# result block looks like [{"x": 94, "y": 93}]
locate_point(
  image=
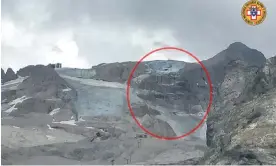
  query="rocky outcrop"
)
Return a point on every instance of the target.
[
  {"x": 241, "y": 126},
  {"x": 42, "y": 91},
  {"x": 10, "y": 75},
  {"x": 44, "y": 79},
  {"x": 117, "y": 72},
  {"x": 78, "y": 73}
]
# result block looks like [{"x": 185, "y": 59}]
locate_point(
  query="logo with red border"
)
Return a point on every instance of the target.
[{"x": 253, "y": 12}]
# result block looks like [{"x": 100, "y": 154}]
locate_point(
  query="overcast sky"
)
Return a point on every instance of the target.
[{"x": 82, "y": 33}]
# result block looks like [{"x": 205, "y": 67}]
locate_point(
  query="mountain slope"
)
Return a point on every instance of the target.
[
  {"x": 41, "y": 90},
  {"x": 189, "y": 86},
  {"x": 243, "y": 131}
]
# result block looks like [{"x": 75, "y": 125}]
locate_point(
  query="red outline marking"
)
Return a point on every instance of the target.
[{"x": 210, "y": 95}]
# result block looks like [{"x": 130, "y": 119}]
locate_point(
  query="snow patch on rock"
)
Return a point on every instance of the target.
[
  {"x": 14, "y": 102},
  {"x": 66, "y": 90},
  {"x": 19, "y": 100},
  {"x": 49, "y": 127},
  {"x": 68, "y": 122},
  {"x": 54, "y": 111}
]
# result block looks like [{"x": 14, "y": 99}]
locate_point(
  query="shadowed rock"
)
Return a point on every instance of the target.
[
  {"x": 2, "y": 75},
  {"x": 10, "y": 75}
]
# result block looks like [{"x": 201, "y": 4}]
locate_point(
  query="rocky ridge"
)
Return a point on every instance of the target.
[
  {"x": 40, "y": 93},
  {"x": 8, "y": 76}
]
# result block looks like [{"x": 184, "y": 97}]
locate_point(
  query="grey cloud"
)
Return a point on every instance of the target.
[{"x": 202, "y": 27}]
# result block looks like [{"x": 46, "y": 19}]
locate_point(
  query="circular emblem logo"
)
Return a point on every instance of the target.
[{"x": 253, "y": 12}]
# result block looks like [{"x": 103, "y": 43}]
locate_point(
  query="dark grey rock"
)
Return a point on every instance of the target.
[
  {"x": 2, "y": 75},
  {"x": 10, "y": 75},
  {"x": 44, "y": 89},
  {"x": 8, "y": 96},
  {"x": 44, "y": 82},
  {"x": 240, "y": 127},
  {"x": 117, "y": 72}
]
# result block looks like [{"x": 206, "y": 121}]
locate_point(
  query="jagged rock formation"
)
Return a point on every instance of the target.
[
  {"x": 42, "y": 91},
  {"x": 241, "y": 126},
  {"x": 10, "y": 75}
]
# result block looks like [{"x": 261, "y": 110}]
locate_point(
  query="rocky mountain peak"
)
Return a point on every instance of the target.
[
  {"x": 238, "y": 46},
  {"x": 272, "y": 60},
  {"x": 10, "y": 75},
  {"x": 239, "y": 51},
  {"x": 2, "y": 74},
  {"x": 10, "y": 71},
  {"x": 240, "y": 122}
]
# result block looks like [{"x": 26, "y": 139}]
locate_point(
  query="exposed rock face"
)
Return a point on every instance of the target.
[
  {"x": 2, "y": 75},
  {"x": 42, "y": 91},
  {"x": 43, "y": 79},
  {"x": 79, "y": 73},
  {"x": 241, "y": 126},
  {"x": 189, "y": 86},
  {"x": 10, "y": 75},
  {"x": 117, "y": 72}
]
